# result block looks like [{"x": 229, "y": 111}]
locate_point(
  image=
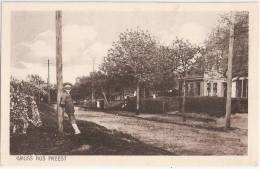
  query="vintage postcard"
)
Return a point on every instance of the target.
[{"x": 113, "y": 83}]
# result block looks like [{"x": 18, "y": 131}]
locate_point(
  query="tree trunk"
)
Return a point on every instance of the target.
[
  {"x": 229, "y": 73},
  {"x": 60, "y": 113},
  {"x": 48, "y": 83},
  {"x": 138, "y": 97},
  {"x": 184, "y": 99},
  {"x": 104, "y": 95},
  {"x": 144, "y": 92},
  {"x": 123, "y": 93},
  {"x": 92, "y": 95}
]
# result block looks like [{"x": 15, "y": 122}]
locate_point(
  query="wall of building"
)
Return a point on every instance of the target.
[{"x": 192, "y": 87}]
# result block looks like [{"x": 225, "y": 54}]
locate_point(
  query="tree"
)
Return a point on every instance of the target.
[
  {"x": 35, "y": 79},
  {"x": 82, "y": 88},
  {"x": 217, "y": 45},
  {"x": 229, "y": 40},
  {"x": 130, "y": 58},
  {"x": 186, "y": 55},
  {"x": 100, "y": 81},
  {"x": 163, "y": 69},
  {"x": 229, "y": 72}
]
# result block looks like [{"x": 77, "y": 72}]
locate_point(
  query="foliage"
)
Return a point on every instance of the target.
[
  {"x": 218, "y": 42},
  {"x": 153, "y": 106},
  {"x": 164, "y": 69},
  {"x": 96, "y": 80},
  {"x": 82, "y": 88},
  {"x": 23, "y": 107},
  {"x": 27, "y": 87},
  {"x": 186, "y": 55},
  {"x": 35, "y": 79},
  {"x": 130, "y": 57},
  {"x": 215, "y": 105},
  {"x": 99, "y": 79},
  {"x": 136, "y": 58}
]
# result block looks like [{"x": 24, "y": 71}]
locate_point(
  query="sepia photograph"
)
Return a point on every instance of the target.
[{"x": 119, "y": 79}]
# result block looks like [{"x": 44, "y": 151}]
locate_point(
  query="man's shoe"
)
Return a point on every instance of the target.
[{"x": 77, "y": 132}]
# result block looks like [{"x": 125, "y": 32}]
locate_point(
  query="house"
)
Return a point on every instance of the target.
[
  {"x": 240, "y": 87},
  {"x": 213, "y": 83}
]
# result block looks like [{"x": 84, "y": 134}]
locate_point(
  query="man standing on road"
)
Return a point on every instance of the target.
[{"x": 67, "y": 105}]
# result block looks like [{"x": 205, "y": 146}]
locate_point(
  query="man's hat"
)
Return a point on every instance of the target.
[{"x": 67, "y": 85}]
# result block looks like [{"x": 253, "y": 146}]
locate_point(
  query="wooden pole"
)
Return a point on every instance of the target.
[
  {"x": 48, "y": 83},
  {"x": 229, "y": 73},
  {"x": 92, "y": 85},
  {"x": 138, "y": 98},
  {"x": 184, "y": 98},
  {"x": 242, "y": 90},
  {"x": 59, "y": 69}
]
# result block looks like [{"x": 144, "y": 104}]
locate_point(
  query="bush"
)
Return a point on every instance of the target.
[
  {"x": 146, "y": 105},
  {"x": 130, "y": 104},
  {"x": 214, "y": 105},
  {"x": 114, "y": 105},
  {"x": 239, "y": 105},
  {"x": 23, "y": 107},
  {"x": 210, "y": 105},
  {"x": 153, "y": 106}
]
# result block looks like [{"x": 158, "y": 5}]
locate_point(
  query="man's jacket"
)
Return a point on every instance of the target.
[{"x": 67, "y": 103}]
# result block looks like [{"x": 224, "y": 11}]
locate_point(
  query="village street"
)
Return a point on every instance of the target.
[
  {"x": 131, "y": 80},
  {"x": 179, "y": 139}
]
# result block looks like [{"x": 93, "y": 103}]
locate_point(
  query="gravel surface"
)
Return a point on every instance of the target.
[
  {"x": 93, "y": 140},
  {"x": 178, "y": 138}
]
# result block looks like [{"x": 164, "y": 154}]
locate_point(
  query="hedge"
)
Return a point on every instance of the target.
[
  {"x": 146, "y": 105},
  {"x": 153, "y": 106},
  {"x": 23, "y": 107},
  {"x": 212, "y": 105}
]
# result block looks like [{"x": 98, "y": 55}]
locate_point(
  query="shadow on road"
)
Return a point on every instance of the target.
[{"x": 94, "y": 140}]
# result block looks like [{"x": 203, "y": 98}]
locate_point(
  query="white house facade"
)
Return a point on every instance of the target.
[{"x": 213, "y": 83}]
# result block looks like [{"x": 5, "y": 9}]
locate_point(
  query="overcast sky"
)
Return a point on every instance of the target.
[{"x": 88, "y": 35}]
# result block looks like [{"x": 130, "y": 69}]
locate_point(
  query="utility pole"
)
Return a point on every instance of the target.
[
  {"x": 60, "y": 113},
  {"x": 92, "y": 85},
  {"x": 229, "y": 72},
  {"x": 48, "y": 83},
  {"x": 93, "y": 64},
  {"x": 184, "y": 97}
]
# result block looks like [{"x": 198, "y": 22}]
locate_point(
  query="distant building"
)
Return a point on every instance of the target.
[
  {"x": 213, "y": 83},
  {"x": 240, "y": 87}
]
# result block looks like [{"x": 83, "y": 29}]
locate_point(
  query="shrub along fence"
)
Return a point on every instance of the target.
[
  {"x": 153, "y": 106},
  {"x": 215, "y": 105},
  {"x": 212, "y": 105}
]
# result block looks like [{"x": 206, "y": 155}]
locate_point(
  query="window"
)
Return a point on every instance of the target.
[
  {"x": 198, "y": 88},
  {"x": 239, "y": 88},
  {"x": 224, "y": 89},
  {"x": 245, "y": 87},
  {"x": 191, "y": 89},
  {"x": 215, "y": 89},
  {"x": 208, "y": 89}
]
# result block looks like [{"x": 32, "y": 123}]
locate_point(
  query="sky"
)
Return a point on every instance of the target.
[{"x": 86, "y": 37}]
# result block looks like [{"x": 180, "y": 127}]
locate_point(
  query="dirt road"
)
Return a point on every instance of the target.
[
  {"x": 94, "y": 140},
  {"x": 179, "y": 139}
]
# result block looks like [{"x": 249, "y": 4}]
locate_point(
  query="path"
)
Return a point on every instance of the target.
[{"x": 179, "y": 139}]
